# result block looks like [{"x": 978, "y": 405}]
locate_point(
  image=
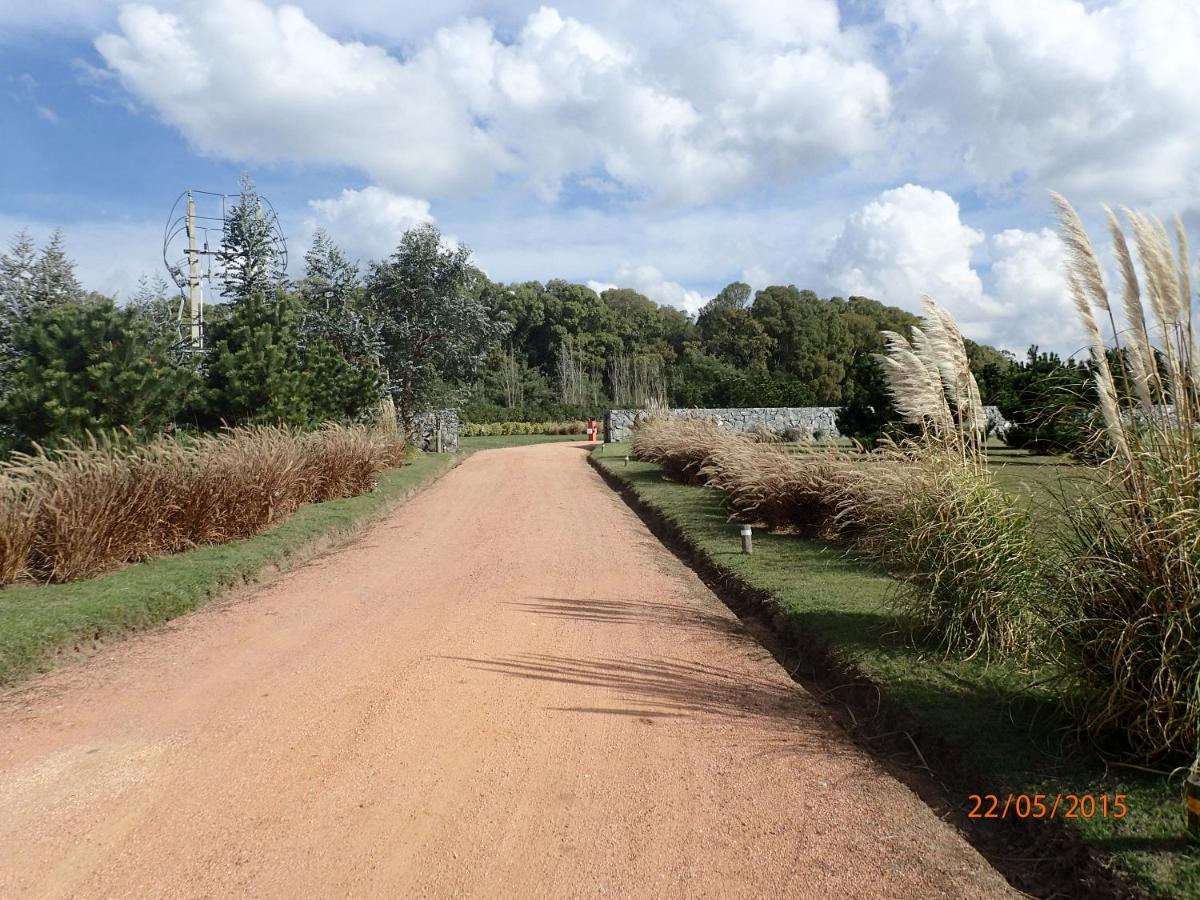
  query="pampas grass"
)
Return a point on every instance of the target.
[
  {"x": 88, "y": 508},
  {"x": 1130, "y": 574}
]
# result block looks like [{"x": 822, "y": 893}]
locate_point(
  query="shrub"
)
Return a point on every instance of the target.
[
  {"x": 492, "y": 429},
  {"x": 964, "y": 548},
  {"x": 800, "y": 491}
]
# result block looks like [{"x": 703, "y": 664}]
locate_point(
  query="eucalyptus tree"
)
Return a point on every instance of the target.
[{"x": 434, "y": 324}]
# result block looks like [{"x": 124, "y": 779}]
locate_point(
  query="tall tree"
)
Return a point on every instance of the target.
[
  {"x": 250, "y": 258},
  {"x": 90, "y": 366},
  {"x": 255, "y": 372},
  {"x": 54, "y": 281},
  {"x": 435, "y": 327},
  {"x": 334, "y": 304}
]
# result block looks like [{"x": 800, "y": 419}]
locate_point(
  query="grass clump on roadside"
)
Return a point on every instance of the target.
[
  {"x": 1130, "y": 573},
  {"x": 82, "y": 510}
]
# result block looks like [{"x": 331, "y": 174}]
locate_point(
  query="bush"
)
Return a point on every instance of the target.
[
  {"x": 89, "y": 366},
  {"x": 86, "y": 508},
  {"x": 492, "y": 429},
  {"x": 683, "y": 447}
]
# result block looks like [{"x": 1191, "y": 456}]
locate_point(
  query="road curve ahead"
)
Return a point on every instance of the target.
[{"x": 506, "y": 688}]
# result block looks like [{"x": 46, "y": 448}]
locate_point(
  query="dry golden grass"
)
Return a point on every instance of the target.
[
  {"x": 86, "y": 509},
  {"x": 681, "y": 446}
]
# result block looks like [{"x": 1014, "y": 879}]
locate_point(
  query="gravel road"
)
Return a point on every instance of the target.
[{"x": 506, "y": 688}]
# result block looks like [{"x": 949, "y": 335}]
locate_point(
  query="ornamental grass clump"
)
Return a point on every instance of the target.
[
  {"x": 681, "y": 446},
  {"x": 85, "y": 509},
  {"x": 1130, "y": 570},
  {"x": 784, "y": 490},
  {"x": 931, "y": 511}
]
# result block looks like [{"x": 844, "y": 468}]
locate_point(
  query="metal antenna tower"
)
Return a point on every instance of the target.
[{"x": 194, "y": 258}]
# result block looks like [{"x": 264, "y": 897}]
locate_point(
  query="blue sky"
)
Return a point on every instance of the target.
[{"x": 886, "y": 147}]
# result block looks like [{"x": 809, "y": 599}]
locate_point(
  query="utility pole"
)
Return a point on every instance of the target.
[{"x": 195, "y": 295}]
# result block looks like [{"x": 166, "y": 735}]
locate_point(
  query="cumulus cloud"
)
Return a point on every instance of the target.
[
  {"x": 1027, "y": 280},
  {"x": 1093, "y": 99},
  {"x": 907, "y": 242},
  {"x": 912, "y": 241},
  {"x": 243, "y": 80},
  {"x": 368, "y": 223}
]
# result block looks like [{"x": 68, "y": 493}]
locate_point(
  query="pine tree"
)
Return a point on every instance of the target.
[
  {"x": 16, "y": 293},
  {"x": 334, "y": 310},
  {"x": 54, "y": 281},
  {"x": 250, "y": 257},
  {"x": 89, "y": 366},
  {"x": 255, "y": 371}
]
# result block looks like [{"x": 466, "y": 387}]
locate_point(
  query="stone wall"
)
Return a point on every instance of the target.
[
  {"x": 426, "y": 426},
  {"x": 793, "y": 423},
  {"x": 802, "y": 421}
]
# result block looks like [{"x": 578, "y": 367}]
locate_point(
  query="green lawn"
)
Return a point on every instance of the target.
[
  {"x": 983, "y": 727},
  {"x": 514, "y": 440},
  {"x": 43, "y": 625}
]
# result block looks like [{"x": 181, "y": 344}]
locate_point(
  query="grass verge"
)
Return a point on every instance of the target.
[
  {"x": 959, "y": 727},
  {"x": 44, "y": 625}
]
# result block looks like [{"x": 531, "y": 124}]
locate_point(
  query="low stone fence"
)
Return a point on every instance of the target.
[
  {"x": 790, "y": 422},
  {"x": 429, "y": 426}
]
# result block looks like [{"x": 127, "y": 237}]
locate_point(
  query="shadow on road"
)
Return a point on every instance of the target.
[
  {"x": 665, "y": 688},
  {"x": 629, "y": 612}
]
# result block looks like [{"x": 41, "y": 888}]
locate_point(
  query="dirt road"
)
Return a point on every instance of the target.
[{"x": 507, "y": 688}]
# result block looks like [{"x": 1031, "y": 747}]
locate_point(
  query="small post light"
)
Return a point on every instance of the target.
[
  {"x": 626, "y": 460},
  {"x": 747, "y": 539}
]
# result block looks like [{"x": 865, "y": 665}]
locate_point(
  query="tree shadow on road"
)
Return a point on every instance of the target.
[
  {"x": 630, "y": 612},
  {"x": 671, "y": 688}
]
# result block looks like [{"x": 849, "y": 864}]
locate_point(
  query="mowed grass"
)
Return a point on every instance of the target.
[
  {"x": 1001, "y": 733},
  {"x": 499, "y": 441},
  {"x": 44, "y": 625}
]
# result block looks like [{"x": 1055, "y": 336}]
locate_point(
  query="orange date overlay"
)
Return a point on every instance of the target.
[{"x": 1047, "y": 806}]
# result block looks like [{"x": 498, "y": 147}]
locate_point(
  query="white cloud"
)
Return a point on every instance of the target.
[
  {"x": 907, "y": 242},
  {"x": 911, "y": 241},
  {"x": 1096, "y": 100},
  {"x": 246, "y": 81},
  {"x": 648, "y": 280},
  {"x": 368, "y": 223},
  {"x": 1028, "y": 283}
]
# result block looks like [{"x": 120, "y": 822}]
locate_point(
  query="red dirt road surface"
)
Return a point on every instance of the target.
[{"x": 506, "y": 688}]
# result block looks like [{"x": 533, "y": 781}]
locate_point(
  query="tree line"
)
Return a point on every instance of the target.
[{"x": 428, "y": 328}]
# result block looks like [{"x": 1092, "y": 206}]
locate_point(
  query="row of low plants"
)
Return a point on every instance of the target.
[
  {"x": 495, "y": 429},
  {"x": 1109, "y": 600},
  {"x": 83, "y": 509}
]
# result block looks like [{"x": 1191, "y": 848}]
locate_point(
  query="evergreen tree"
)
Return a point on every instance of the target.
[
  {"x": 334, "y": 308},
  {"x": 250, "y": 257},
  {"x": 54, "y": 281},
  {"x": 435, "y": 327},
  {"x": 89, "y": 366},
  {"x": 16, "y": 292},
  {"x": 255, "y": 373}
]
